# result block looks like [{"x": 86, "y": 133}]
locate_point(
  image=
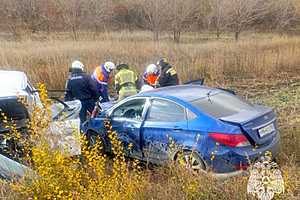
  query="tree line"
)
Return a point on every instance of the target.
[{"x": 157, "y": 16}]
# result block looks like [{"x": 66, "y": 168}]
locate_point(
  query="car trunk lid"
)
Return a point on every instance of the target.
[{"x": 258, "y": 124}]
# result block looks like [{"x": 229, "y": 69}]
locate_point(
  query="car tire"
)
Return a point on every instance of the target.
[
  {"x": 93, "y": 138},
  {"x": 191, "y": 161}
]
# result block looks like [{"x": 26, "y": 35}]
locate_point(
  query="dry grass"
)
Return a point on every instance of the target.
[
  {"x": 262, "y": 68},
  {"x": 217, "y": 60}
]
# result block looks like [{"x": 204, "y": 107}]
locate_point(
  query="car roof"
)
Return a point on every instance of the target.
[
  {"x": 12, "y": 82},
  {"x": 186, "y": 93}
]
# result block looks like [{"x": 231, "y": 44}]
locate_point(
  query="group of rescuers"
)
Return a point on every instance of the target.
[{"x": 89, "y": 88}]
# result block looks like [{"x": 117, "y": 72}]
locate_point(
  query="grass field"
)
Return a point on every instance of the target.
[
  {"x": 262, "y": 68},
  {"x": 216, "y": 60}
]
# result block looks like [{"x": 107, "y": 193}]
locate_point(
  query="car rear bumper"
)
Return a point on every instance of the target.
[
  {"x": 223, "y": 176},
  {"x": 229, "y": 161}
]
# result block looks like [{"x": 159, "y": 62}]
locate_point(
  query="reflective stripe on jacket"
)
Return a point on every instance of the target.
[
  {"x": 125, "y": 81},
  {"x": 168, "y": 77},
  {"x": 80, "y": 86},
  {"x": 125, "y": 76}
]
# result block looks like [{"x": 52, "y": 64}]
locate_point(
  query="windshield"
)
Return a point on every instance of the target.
[
  {"x": 221, "y": 105},
  {"x": 56, "y": 109}
]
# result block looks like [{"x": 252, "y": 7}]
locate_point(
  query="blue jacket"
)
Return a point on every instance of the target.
[
  {"x": 80, "y": 86},
  {"x": 101, "y": 78}
]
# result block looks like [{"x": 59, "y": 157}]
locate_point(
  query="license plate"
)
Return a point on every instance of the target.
[{"x": 266, "y": 130}]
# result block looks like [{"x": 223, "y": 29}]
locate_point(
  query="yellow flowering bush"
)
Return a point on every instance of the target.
[{"x": 91, "y": 175}]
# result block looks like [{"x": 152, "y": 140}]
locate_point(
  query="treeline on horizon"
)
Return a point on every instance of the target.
[{"x": 173, "y": 16}]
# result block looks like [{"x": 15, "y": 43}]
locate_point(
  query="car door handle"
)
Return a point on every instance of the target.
[{"x": 177, "y": 129}]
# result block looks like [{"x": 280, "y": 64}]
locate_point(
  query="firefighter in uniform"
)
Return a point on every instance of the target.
[
  {"x": 102, "y": 77},
  {"x": 151, "y": 75},
  {"x": 80, "y": 86},
  {"x": 168, "y": 75},
  {"x": 125, "y": 81}
]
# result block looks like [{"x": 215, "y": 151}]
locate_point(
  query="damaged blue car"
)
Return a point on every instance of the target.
[{"x": 219, "y": 131}]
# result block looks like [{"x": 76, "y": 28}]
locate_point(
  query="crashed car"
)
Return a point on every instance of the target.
[
  {"x": 214, "y": 129},
  {"x": 10, "y": 169},
  {"x": 15, "y": 89}
]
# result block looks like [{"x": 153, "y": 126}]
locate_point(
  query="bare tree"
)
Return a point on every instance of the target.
[
  {"x": 182, "y": 14},
  {"x": 73, "y": 12},
  {"x": 216, "y": 17},
  {"x": 241, "y": 14},
  {"x": 285, "y": 14},
  {"x": 100, "y": 13},
  {"x": 175, "y": 16},
  {"x": 24, "y": 14},
  {"x": 10, "y": 18},
  {"x": 154, "y": 15},
  {"x": 297, "y": 5},
  {"x": 32, "y": 14},
  {"x": 52, "y": 16}
]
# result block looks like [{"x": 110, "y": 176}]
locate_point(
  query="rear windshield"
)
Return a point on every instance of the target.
[{"x": 221, "y": 105}]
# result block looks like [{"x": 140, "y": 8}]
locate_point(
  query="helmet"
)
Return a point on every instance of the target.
[
  {"x": 77, "y": 65},
  {"x": 162, "y": 62},
  {"x": 122, "y": 66},
  {"x": 109, "y": 66},
  {"x": 151, "y": 69}
]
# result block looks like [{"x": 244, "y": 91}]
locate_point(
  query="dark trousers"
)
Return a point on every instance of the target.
[
  {"x": 86, "y": 105},
  {"x": 105, "y": 95},
  {"x": 103, "y": 92}
]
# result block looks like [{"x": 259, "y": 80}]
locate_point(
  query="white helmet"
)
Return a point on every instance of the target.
[
  {"x": 151, "y": 69},
  {"x": 109, "y": 66},
  {"x": 77, "y": 65}
]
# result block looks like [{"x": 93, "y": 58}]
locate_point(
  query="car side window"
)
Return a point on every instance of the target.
[
  {"x": 166, "y": 111},
  {"x": 132, "y": 109},
  {"x": 190, "y": 115},
  {"x": 29, "y": 88}
]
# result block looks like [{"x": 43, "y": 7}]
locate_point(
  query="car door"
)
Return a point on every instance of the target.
[
  {"x": 64, "y": 133},
  {"x": 165, "y": 122},
  {"x": 127, "y": 120}
]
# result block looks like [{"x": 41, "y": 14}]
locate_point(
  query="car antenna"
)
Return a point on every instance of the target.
[{"x": 208, "y": 96}]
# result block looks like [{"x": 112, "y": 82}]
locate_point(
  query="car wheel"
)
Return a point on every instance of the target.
[
  {"x": 191, "y": 160},
  {"x": 93, "y": 139}
]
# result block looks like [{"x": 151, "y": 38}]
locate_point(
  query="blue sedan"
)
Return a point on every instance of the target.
[{"x": 218, "y": 130}]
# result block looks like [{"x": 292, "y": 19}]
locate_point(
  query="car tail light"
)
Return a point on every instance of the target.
[
  {"x": 241, "y": 166},
  {"x": 231, "y": 140}
]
